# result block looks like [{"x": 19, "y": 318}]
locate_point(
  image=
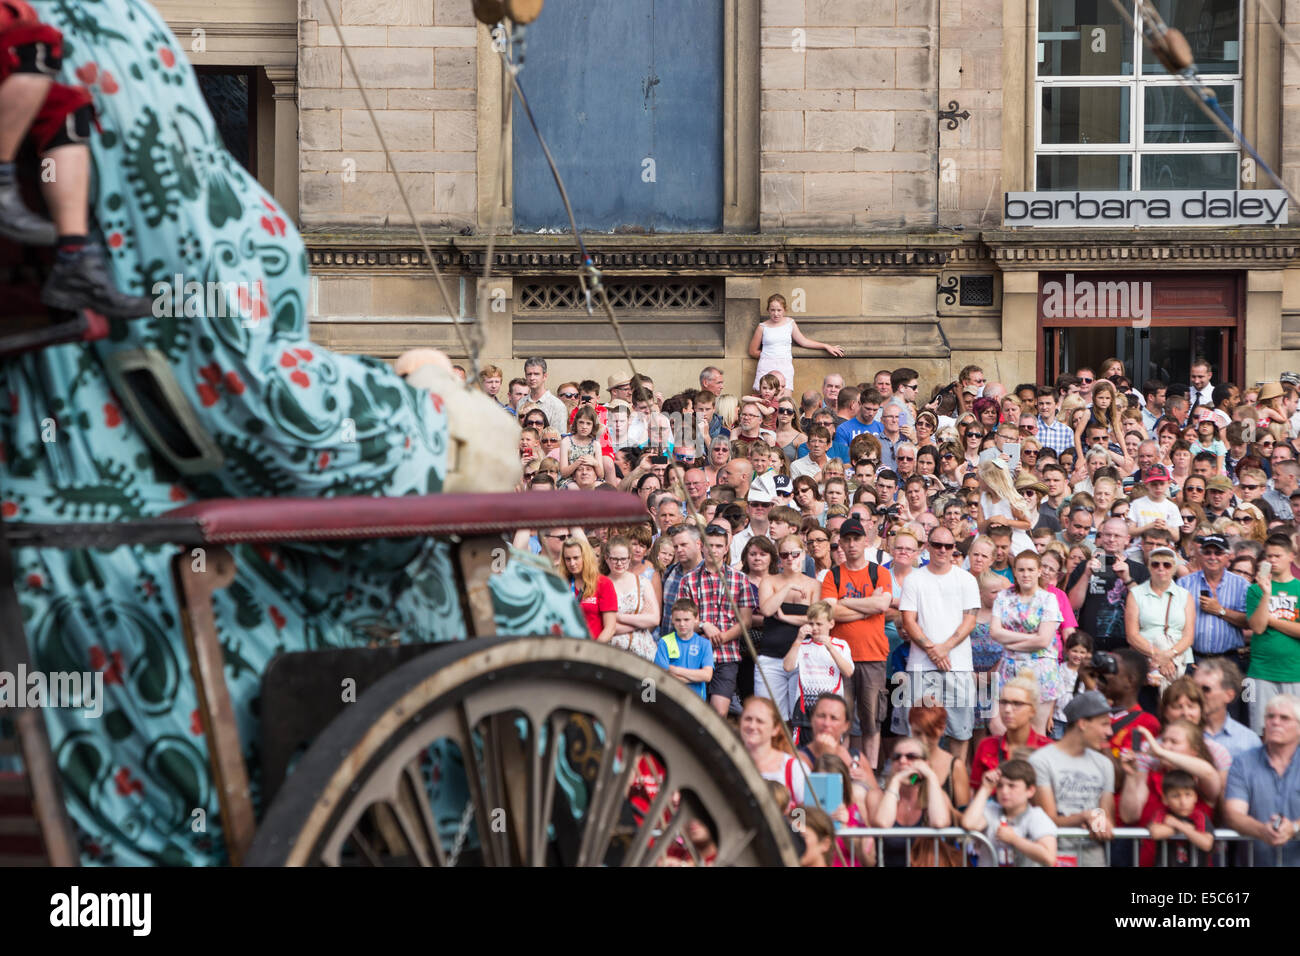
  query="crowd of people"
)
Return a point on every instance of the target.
[{"x": 1012, "y": 607}]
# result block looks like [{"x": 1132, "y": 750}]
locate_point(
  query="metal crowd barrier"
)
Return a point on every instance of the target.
[
  {"x": 909, "y": 833},
  {"x": 1222, "y": 839}
]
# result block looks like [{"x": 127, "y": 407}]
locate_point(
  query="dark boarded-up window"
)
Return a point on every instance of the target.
[
  {"x": 230, "y": 96},
  {"x": 629, "y": 98}
]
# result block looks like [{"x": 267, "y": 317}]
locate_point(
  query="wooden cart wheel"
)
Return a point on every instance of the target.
[{"x": 571, "y": 753}]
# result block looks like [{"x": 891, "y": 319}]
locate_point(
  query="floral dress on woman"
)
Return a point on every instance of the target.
[
  {"x": 1024, "y": 615},
  {"x": 642, "y": 643}
]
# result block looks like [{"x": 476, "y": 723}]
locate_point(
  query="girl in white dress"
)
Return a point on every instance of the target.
[{"x": 772, "y": 341}]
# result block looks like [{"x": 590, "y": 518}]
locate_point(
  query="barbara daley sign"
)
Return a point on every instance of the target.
[{"x": 1197, "y": 207}]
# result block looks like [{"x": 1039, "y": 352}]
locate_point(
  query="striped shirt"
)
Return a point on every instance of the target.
[
  {"x": 1214, "y": 635},
  {"x": 713, "y": 594},
  {"x": 1055, "y": 435}
]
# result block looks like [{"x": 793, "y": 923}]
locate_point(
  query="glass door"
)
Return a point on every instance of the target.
[{"x": 1160, "y": 352}]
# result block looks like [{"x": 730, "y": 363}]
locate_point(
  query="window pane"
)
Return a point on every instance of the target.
[
  {"x": 1085, "y": 114},
  {"x": 616, "y": 87},
  {"x": 227, "y": 97},
  {"x": 1090, "y": 171},
  {"x": 1212, "y": 28},
  {"x": 1189, "y": 171},
  {"x": 1171, "y": 116},
  {"x": 1083, "y": 38}
]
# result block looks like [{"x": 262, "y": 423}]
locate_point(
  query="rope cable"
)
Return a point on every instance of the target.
[{"x": 590, "y": 272}]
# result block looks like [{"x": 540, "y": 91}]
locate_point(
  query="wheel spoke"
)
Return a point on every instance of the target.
[
  {"x": 362, "y": 844},
  {"x": 414, "y": 787},
  {"x": 670, "y": 835},
  {"x": 593, "y": 831},
  {"x": 541, "y": 787},
  {"x": 412, "y": 825},
  {"x": 734, "y": 848},
  {"x": 495, "y": 790},
  {"x": 475, "y": 776},
  {"x": 637, "y": 850}
]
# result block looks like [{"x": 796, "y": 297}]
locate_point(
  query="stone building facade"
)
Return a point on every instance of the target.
[{"x": 866, "y": 147}]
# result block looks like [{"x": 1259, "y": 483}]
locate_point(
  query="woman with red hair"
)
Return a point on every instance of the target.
[
  {"x": 928, "y": 724},
  {"x": 987, "y": 413}
]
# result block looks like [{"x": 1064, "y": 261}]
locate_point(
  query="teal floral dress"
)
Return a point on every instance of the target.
[
  {"x": 1024, "y": 616},
  {"x": 288, "y": 419}
]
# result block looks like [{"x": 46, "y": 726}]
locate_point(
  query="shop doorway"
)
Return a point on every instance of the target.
[
  {"x": 1164, "y": 353},
  {"x": 1183, "y": 317}
]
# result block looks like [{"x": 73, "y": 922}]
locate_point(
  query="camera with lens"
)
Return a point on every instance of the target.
[
  {"x": 1104, "y": 663},
  {"x": 890, "y": 511}
]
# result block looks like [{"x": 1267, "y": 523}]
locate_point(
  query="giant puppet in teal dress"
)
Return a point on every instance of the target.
[{"x": 289, "y": 418}]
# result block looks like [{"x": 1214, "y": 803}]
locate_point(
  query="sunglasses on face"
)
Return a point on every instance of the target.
[
  {"x": 1249, "y": 487},
  {"x": 787, "y": 555},
  {"x": 906, "y": 457},
  {"x": 907, "y": 755},
  {"x": 1086, "y": 381},
  {"x": 940, "y": 546},
  {"x": 785, "y": 411},
  {"x": 819, "y": 540},
  {"x": 1243, "y": 517},
  {"x": 550, "y": 441},
  {"x": 568, "y": 395},
  {"x": 946, "y": 456},
  {"x": 1162, "y": 564},
  {"x": 1026, "y": 452}
]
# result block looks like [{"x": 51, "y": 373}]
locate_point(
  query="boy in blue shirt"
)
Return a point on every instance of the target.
[{"x": 684, "y": 652}]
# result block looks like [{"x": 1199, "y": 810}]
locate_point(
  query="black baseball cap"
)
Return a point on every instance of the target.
[
  {"x": 1213, "y": 541},
  {"x": 852, "y": 526}
]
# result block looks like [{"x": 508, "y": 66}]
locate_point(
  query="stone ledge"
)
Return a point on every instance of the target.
[
  {"x": 394, "y": 250},
  {"x": 1187, "y": 247}
]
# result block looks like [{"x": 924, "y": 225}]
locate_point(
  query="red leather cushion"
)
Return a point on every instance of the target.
[{"x": 232, "y": 521}]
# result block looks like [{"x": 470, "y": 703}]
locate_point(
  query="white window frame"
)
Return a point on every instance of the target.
[{"x": 1136, "y": 84}]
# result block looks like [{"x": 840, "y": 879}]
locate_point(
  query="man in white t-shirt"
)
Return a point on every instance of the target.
[
  {"x": 1155, "y": 510},
  {"x": 939, "y": 603}
]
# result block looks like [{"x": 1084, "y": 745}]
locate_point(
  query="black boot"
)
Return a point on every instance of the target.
[
  {"x": 82, "y": 281},
  {"x": 19, "y": 223}
]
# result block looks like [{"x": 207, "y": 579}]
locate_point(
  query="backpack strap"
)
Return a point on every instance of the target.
[
  {"x": 835, "y": 575},
  {"x": 1124, "y": 721}
]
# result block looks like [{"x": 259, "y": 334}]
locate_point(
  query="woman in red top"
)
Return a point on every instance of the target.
[
  {"x": 1181, "y": 747},
  {"x": 1016, "y": 705},
  {"x": 593, "y": 590}
]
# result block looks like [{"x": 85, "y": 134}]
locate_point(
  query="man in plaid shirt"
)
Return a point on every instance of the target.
[
  {"x": 713, "y": 586},
  {"x": 1055, "y": 435}
]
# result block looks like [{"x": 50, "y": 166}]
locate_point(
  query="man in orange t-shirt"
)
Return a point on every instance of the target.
[{"x": 860, "y": 594}]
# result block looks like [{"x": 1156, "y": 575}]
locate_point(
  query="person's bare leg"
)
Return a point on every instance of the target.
[
  {"x": 720, "y": 704},
  {"x": 67, "y": 192},
  {"x": 21, "y": 97},
  {"x": 81, "y": 277}
]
